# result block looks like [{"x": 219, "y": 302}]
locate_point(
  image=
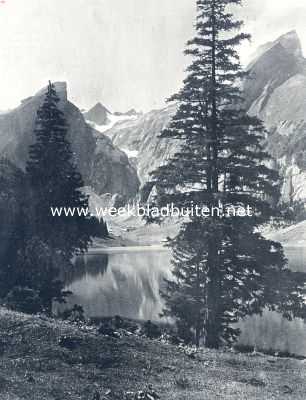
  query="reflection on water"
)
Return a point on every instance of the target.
[
  {"x": 271, "y": 331},
  {"x": 297, "y": 258},
  {"x": 125, "y": 284},
  {"x": 128, "y": 284}
]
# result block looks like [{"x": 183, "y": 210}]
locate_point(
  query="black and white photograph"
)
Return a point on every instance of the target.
[{"x": 152, "y": 200}]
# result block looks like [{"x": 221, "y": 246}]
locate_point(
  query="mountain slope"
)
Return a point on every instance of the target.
[
  {"x": 276, "y": 93},
  {"x": 274, "y": 64},
  {"x": 140, "y": 138},
  {"x": 279, "y": 67},
  {"x": 111, "y": 170},
  {"x": 16, "y": 135}
]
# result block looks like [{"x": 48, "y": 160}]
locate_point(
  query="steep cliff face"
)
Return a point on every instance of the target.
[
  {"x": 111, "y": 170},
  {"x": 108, "y": 157},
  {"x": 17, "y": 131},
  {"x": 139, "y": 139},
  {"x": 276, "y": 92},
  {"x": 273, "y": 64},
  {"x": 16, "y": 135}
]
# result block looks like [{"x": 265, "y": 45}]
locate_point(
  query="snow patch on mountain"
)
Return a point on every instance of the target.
[
  {"x": 131, "y": 153},
  {"x": 112, "y": 121}
]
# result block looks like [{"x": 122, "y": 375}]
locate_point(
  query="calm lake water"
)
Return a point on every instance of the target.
[{"x": 128, "y": 284}]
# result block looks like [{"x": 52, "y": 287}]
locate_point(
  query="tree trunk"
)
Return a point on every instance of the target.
[
  {"x": 213, "y": 322},
  {"x": 197, "y": 336},
  {"x": 213, "y": 325}
]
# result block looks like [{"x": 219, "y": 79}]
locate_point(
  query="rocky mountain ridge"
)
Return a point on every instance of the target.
[
  {"x": 109, "y": 146},
  {"x": 275, "y": 91},
  {"x": 140, "y": 138},
  {"x": 102, "y": 165}
]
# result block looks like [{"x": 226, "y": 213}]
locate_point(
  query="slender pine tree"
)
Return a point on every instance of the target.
[
  {"x": 221, "y": 263},
  {"x": 55, "y": 182}
]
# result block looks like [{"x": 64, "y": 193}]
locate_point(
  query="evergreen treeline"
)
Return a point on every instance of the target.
[
  {"x": 224, "y": 269},
  {"x": 35, "y": 246}
]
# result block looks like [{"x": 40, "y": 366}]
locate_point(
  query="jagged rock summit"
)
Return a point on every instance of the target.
[
  {"x": 276, "y": 93},
  {"x": 273, "y": 64},
  {"x": 102, "y": 165},
  {"x": 17, "y": 130},
  {"x": 98, "y": 114},
  {"x": 290, "y": 41}
]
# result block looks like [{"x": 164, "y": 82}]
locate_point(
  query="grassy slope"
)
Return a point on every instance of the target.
[{"x": 34, "y": 366}]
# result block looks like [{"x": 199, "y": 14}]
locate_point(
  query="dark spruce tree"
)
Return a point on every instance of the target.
[
  {"x": 55, "y": 182},
  {"x": 223, "y": 268}
]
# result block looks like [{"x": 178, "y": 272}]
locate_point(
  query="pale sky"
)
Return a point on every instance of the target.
[{"x": 124, "y": 53}]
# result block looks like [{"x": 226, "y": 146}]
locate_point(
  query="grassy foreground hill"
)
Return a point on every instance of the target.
[{"x": 36, "y": 364}]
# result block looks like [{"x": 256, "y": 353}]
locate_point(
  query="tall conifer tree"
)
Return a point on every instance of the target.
[
  {"x": 221, "y": 264},
  {"x": 55, "y": 182}
]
